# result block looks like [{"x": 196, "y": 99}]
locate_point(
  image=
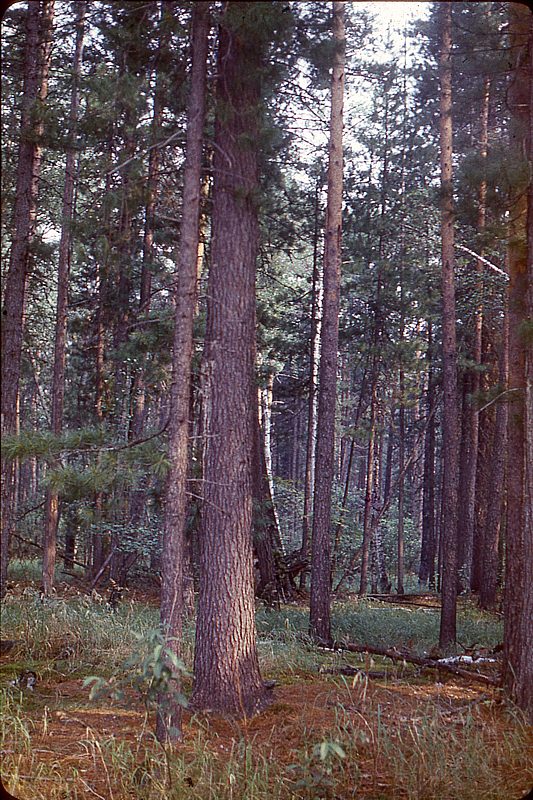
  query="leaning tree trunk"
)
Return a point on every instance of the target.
[
  {"x": 63, "y": 270},
  {"x": 39, "y": 20},
  {"x": 450, "y": 432},
  {"x": 227, "y": 679},
  {"x": 168, "y": 726},
  {"x": 319, "y": 615}
]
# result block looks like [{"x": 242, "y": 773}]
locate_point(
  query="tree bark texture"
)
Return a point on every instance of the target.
[
  {"x": 63, "y": 270},
  {"x": 38, "y": 32},
  {"x": 450, "y": 431},
  {"x": 518, "y": 599},
  {"x": 227, "y": 679},
  {"x": 319, "y": 617},
  {"x": 168, "y": 724}
]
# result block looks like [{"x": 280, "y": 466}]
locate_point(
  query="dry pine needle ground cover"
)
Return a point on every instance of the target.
[{"x": 406, "y": 733}]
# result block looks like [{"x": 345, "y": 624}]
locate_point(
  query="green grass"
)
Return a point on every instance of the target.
[
  {"x": 380, "y": 625},
  {"x": 429, "y": 757}
]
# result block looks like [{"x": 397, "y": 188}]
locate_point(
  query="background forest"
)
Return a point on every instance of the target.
[{"x": 266, "y": 303}]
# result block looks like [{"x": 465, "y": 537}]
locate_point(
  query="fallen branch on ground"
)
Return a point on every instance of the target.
[{"x": 420, "y": 661}]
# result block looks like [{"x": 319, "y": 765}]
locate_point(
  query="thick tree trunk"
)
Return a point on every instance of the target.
[
  {"x": 38, "y": 31},
  {"x": 524, "y": 692},
  {"x": 319, "y": 615},
  {"x": 227, "y": 679},
  {"x": 450, "y": 432},
  {"x": 58, "y": 378},
  {"x": 168, "y": 725},
  {"x": 518, "y": 600}
]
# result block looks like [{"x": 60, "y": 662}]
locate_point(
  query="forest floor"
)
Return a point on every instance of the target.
[{"x": 390, "y": 731}]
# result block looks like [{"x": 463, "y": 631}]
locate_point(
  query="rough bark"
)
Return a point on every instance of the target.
[
  {"x": 168, "y": 726},
  {"x": 518, "y": 599},
  {"x": 319, "y": 616},
  {"x": 227, "y": 679},
  {"x": 38, "y": 32},
  {"x": 525, "y": 687},
  {"x": 450, "y": 432},
  {"x": 63, "y": 270}
]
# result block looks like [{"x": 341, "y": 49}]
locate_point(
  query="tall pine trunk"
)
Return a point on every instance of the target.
[
  {"x": 450, "y": 431},
  {"x": 319, "y": 616},
  {"x": 168, "y": 725},
  {"x": 38, "y": 32},
  {"x": 518, "y": 600},
  {"x": 63, "y": 270},
  {"x": 226, "y": 667}
]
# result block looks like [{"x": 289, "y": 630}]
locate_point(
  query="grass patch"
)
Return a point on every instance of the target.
[{"x": 325, "y": 736}]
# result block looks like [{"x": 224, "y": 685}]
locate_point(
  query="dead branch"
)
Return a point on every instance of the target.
[
  {"x": 420, "y": 661},
  {"x": 60, "y": 552}
]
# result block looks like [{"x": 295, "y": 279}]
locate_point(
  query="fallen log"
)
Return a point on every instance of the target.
[{"x": 420, "y": 661}]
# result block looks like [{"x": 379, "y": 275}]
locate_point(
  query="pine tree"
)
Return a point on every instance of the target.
[
  {"x": 38, "y": 32},
  {"x": 226, "y": 667},
  {"x": 173, "y": 556},
  {"x": 449, "y": 346},
  {"x": 319, "y": 615}
]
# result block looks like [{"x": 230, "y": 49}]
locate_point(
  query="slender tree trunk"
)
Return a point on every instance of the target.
[
  {"x": 311, "y": 403},
  {"x": 138, "y": 387},
  {"x": 426, "y": 572},
  {"x": 490, "y": 557},
  {"x": 450, "y": 431},
  {"x": 367, "y": 517},
  {"x": 38, "y": 31},
  {"x": 63, "y": 270},
  {"x": 319, "y": 616},
  {"x": 486, "y": 426},
  {"x": 168, "y": 725},
  {"x": 273, "y": 585},
  {"x": 401, "y": 465},
  {"x": 226, "y": 668},
  {"x": 472, "y": 550}
]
